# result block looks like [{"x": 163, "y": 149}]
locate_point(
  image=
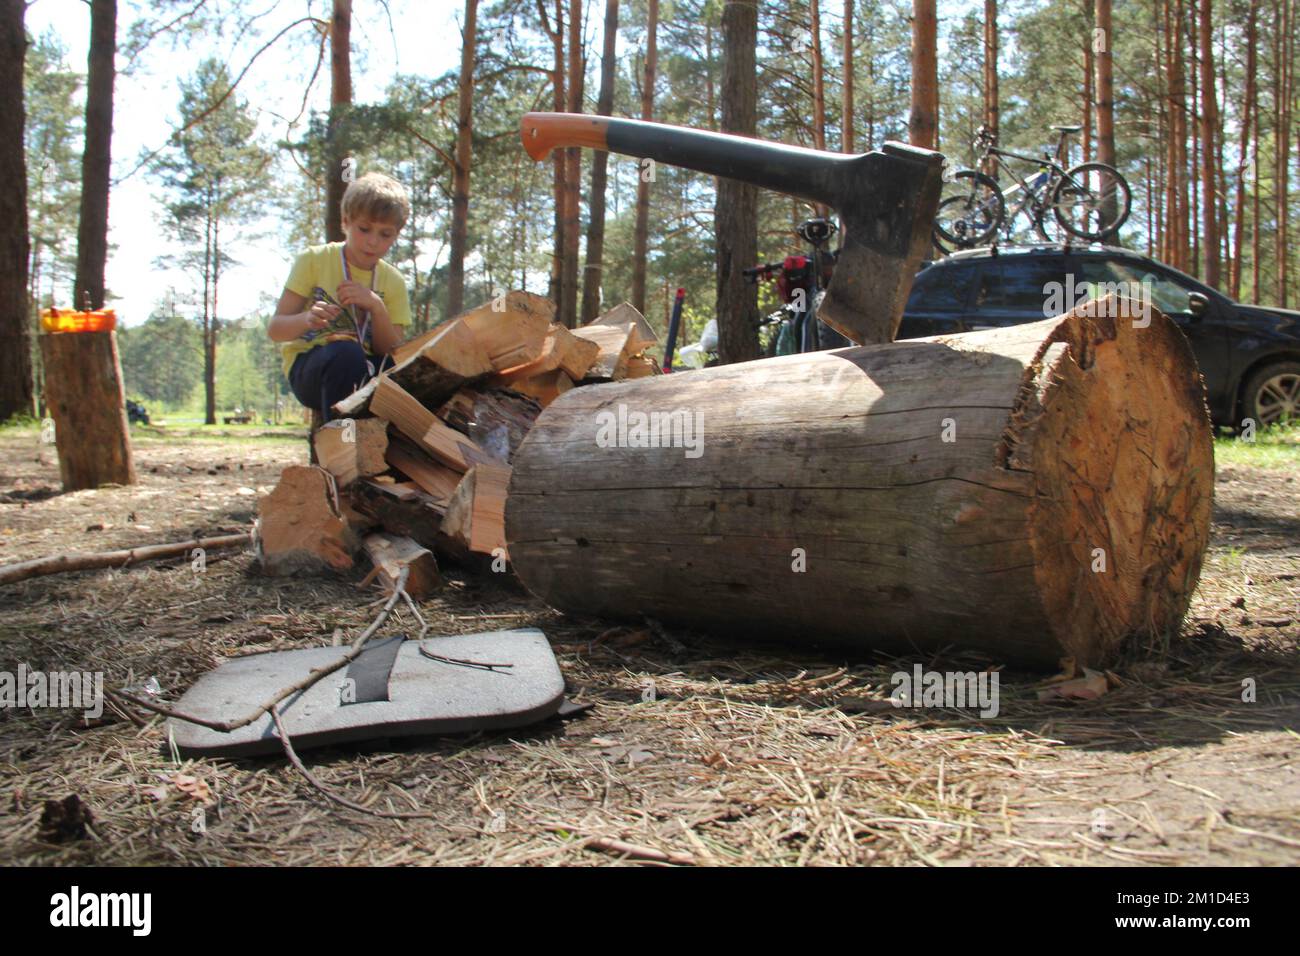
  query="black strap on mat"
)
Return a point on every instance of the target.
[{"x": 369, "y": 671}]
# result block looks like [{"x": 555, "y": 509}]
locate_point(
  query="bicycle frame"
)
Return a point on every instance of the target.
[{"x": 1032, "y": 194}]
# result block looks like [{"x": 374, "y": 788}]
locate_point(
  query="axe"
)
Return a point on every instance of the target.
[{"x": 886, "y": 200}]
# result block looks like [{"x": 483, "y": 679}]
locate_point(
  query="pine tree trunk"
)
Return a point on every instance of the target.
[
  {"x": 846, "y": 123},
  {"x": 463, "y": 159},
  {"x": 1209, "y": 167},
  {"x": 736, "y": 205},
  {"x": 641, "y": 235},
  {"x": 923, "y": 124},
  {"x": 1281, "y": 144},
  {"x": 15, "y": 338},
  {"x": 819, "y": 85},
  {"x": 558, "y": 159},
  {"x": 96, "y": 157},
  {"x": 992, "y": 108},
  {"x": 340, "y": 104},
  {"x": 1194, "y": 219},
  {"x": 594, "y": 272},
  {"x": 568, "y": 303},
  {"x": 1249, "y": 108},
  {"x": 1104, "y": 60}
]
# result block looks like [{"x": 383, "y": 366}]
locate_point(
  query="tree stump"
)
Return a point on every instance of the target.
[
  {"x": 1031, "y": 492},
  {"x": 83, "y": 389}
]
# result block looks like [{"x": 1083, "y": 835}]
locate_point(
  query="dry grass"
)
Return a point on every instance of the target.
[{"x": 741, "y": 755}]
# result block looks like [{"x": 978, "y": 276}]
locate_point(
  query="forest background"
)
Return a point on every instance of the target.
[{"x": 230, "y": 118}]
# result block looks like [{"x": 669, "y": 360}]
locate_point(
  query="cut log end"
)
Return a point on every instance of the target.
[{"x": 1123, "y": 464}]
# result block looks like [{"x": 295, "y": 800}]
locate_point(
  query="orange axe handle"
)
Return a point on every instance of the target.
[{"x": 543, "y": 132}]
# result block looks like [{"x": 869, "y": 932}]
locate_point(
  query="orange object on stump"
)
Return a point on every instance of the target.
[
  {"x": 66, "y": 320},
  {"x": 84, "y": 393}
]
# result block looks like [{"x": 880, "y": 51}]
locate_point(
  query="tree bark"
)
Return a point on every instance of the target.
[
  {"x": 1248, "y": 111},
  {"x": 594, "y": 271},
  {"x": 923, "y": 125},
  {"x": 340, "y": 104},
  {"x": 1209, "y": 164},
  {"x": 15, "y": 246},
  {"x": 558, "y": 158},
  {"x": 568, "y": 304},
  {"x": 736, "y": 206},
  {"x": 825, "y": 506},
  {"x": 846, "y": 128},
  {"x": 97, "y": 157},
  {"x": 1103, "y": 60},
  {"x": 992, "y": 106},
  {"x": 463, "y": 159},
  {"x": 1176, "y": 201},
  {"x": 641, "y": 235},
  {"x": 83, "y": 386}
]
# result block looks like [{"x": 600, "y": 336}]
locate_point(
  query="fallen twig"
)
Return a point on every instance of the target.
[
  {"x": 639, "y": 852},
  {"x": 302, "y": 685},
  {"x": 341, "y": 801},
  {"x": 59, "y": 563}
]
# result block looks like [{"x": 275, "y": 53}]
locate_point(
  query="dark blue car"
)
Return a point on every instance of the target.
[{"x": 1249, "y": 355}]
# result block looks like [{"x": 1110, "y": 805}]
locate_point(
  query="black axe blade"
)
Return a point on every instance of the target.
[{"x": 886, "y": 200}]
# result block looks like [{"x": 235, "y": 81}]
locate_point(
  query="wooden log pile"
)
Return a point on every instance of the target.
[{"x": 418, "y": 461}]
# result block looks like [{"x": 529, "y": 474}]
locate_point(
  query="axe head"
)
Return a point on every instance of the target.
[{"x": 887, "y": 202}]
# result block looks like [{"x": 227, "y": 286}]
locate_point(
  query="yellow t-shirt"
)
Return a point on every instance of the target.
[{"x": 317, "y": 274}]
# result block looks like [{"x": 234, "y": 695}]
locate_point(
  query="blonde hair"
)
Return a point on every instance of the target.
[{"x": 378, "y": 198}]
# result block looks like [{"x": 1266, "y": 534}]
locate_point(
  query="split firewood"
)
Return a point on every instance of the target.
[
  {"x": 448, "y": 360},
  {"x": 475, "y": 517},
  {"x": 302, "y": 526},
  {"x": 562, "y": 349},
  {"x": 512, "y": 331},
  {"x": 391, "y": 553},
  {"x": 642, "y": 366},
  {"x": 417, "y": 423},
  {"x": 434, "y": 477},
  {"x": 497, "y": 419},
  {"x": 618, "y": 343},
  {"x": 545, "y": 388},
  {"x": 627, "y": 312},
  {"x": 351, "y": 448},
  {"x": 402, "y": 508}
]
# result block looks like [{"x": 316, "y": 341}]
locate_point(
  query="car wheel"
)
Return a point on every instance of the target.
[{"x": 1272, "y": 394}]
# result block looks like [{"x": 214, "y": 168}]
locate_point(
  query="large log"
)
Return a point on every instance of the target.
[
  {"x": 83, "y": 389},
  {"x": 1031, "y": 492}
]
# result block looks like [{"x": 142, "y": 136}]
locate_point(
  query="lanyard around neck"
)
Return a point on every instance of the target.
[{"x": 361, "y": 327}]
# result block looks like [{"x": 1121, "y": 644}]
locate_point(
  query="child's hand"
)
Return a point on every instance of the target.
[
  {"x": 354, "y": 293},
  {"x": 321, "y": 315}
]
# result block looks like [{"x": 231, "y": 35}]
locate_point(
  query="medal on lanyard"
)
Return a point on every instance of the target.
[{"x": 361, "y": 327}]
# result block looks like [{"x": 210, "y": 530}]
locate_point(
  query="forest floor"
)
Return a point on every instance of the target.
[{"x": 709, "y": 750}]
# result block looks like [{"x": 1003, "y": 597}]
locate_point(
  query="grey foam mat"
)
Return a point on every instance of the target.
[{"x": 425, "y": 696}]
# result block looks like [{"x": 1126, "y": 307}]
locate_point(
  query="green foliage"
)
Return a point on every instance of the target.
[
  {"x": 52, "y": 145},
  {"x": 162, "y": 358}
]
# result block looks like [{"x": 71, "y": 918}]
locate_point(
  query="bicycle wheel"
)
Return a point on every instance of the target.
[
  {"x": 970, "y": 210},
  {"x": 1092, "y": 201}
]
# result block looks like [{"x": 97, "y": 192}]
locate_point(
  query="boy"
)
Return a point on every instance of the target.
[{"x": 343, "y": 308}]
